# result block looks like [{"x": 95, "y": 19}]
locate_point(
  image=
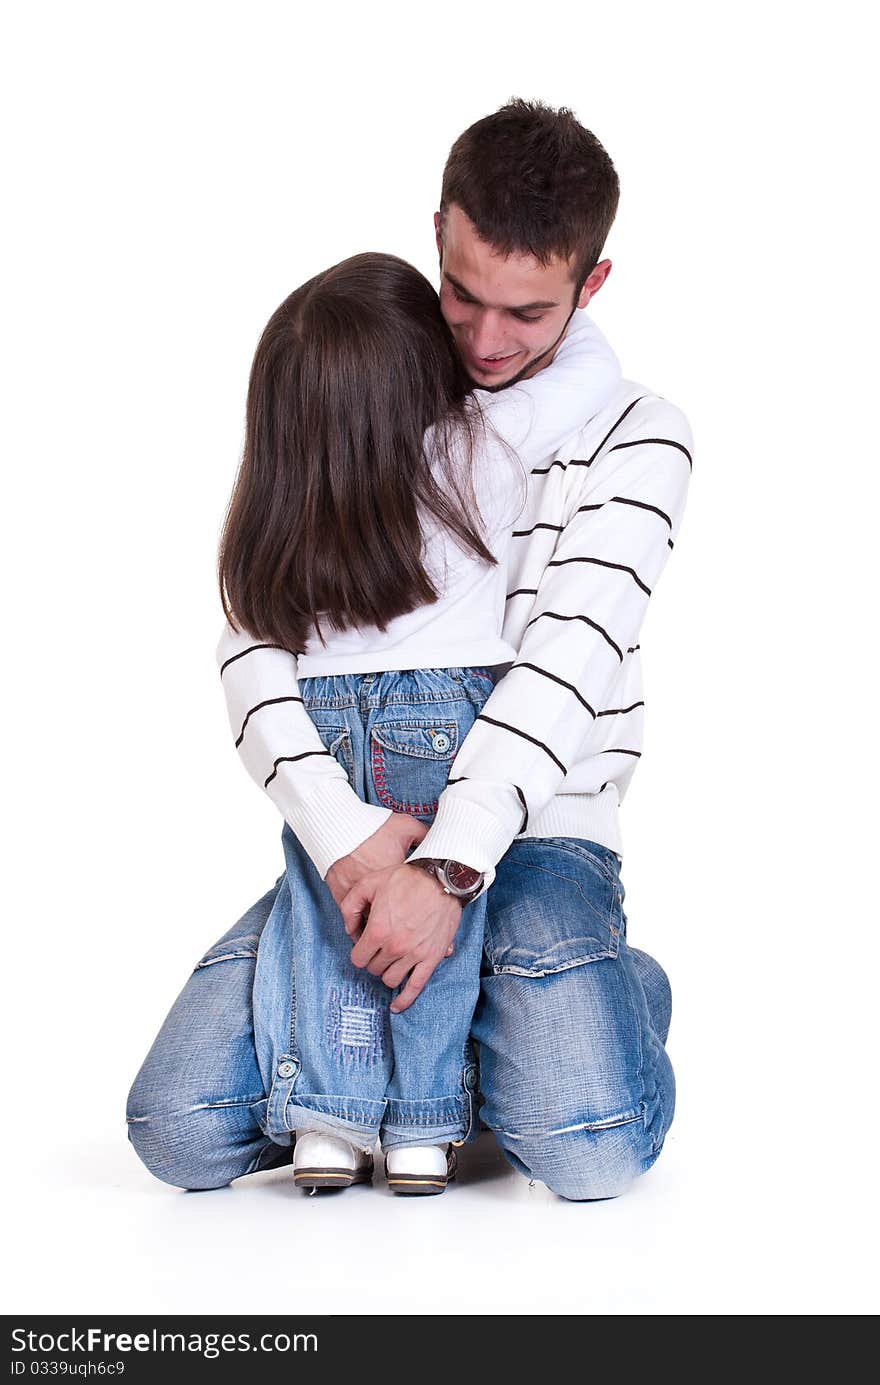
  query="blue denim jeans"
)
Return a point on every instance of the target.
[
  {"x": 345, "y": 1064},
  {"x": 570, "y": 1022}
]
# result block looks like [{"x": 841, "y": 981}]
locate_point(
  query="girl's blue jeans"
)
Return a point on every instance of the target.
[
  {"x": 355, "y": 1069},
  {"x": 275, "y": 1031}
]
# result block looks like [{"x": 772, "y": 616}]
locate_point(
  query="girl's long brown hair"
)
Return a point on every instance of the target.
[{"x": 325, "y": 520}]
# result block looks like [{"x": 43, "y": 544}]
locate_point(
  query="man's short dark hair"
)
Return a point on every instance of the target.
[{"x": 534, "y": 181}]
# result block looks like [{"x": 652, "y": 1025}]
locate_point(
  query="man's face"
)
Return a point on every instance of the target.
[{"x": 506, "y": 312}]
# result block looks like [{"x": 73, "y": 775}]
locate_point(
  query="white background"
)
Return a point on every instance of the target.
[{"x": 173, "y": 171}]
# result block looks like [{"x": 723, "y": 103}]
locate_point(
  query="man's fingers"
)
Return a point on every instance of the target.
[
  {"x": 355, "y": 909},
  {"x": 382, "y": 960},
  {"x": 365, "y": 949},
  {"x": 417, "y": 982},
  {"x": 394, "y": 974},
  {"x": 373, "y": 940}
]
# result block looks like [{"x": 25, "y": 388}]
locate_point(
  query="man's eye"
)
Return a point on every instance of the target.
[
  {"x": 461, "y": 297},
  {"x": 523, "y": 317}
]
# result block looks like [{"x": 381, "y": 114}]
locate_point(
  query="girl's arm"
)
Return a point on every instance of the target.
[
  {"x": 535, "y": 416},
  {"x": 282, "y": 751}
]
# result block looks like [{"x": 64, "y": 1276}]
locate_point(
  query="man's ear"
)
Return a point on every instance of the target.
[
  {"x": 593, "y": 282},
  {"x": 438, "y": 235}
]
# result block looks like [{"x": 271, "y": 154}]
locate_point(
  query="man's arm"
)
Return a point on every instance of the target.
[
  {"x": 588, "y": 612},
  {"x": 587, "y": 615}
]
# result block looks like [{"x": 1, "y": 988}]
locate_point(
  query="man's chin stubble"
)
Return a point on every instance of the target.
[{"x": 529, "y": 365}]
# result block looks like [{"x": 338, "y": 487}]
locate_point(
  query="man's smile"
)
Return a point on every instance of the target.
[{"x": 489, "y": 365}]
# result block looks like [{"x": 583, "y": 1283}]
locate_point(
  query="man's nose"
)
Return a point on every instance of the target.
[{"x": 486, "y": 335}]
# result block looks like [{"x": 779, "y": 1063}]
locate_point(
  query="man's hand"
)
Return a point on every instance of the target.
[
  {"x": 390, "y": 846},
  {"x": 408, "y": 923}
]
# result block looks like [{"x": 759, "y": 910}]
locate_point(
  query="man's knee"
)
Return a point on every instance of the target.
[
  {"x": 191, "y": 1142},
  {"x": 204, "y": 1147},
  {"x": 583, "y": 1163},
  {"x": 165, "y": 1145}
]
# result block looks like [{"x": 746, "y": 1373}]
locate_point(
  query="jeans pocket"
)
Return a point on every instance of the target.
[
  {"x": 554, "y": 905},
  {"x": 410, "y": 763}
]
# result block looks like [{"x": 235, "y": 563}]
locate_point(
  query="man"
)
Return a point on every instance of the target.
[{"x": 571, "y": 1022}]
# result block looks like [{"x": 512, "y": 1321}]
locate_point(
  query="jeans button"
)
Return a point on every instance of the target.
[
  {"x": 470, "y": 1080},
  {"x": 286, "y": 1069},
  {"x": 440, "y": 741}
]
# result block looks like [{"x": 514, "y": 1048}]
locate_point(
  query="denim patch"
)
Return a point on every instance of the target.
[{"x": 355, "y": 1024}]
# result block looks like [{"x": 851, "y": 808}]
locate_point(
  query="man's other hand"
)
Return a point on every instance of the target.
[
  {"x": 389, "y": 846},
  {"x": 404, "y": 923}
]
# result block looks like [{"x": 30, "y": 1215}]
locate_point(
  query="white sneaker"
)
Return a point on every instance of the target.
[
  {"x": 419, "y": 1170},
  {"x": 325, "y": 1161}
]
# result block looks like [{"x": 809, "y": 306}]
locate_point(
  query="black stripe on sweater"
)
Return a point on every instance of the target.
[
  {"x": 554, "y": 615},
  {"x": 515, "y": 731},
  {"x": 522, "y": 591},
  {"x": 270, "y": 702},
  {"x": 641, "y": 505},
  {"x": 636, "y": 442},
  {"x": 561, "y": 681},
  {"x": 543, "y": 470},
  {"x": 580, "y": 461},
  {"x": 620, "y": 711},
  {"x": 290, "y": 759},
  {"x": 557, "y": 528},
  {"x": 662, "y": 442},
  {"x": 628, "y": 410},
  {"x": 460, "y": 779},
  {"x": 618, "y": 751},
  {"x": 250, "y": 650},
  {"x": 602, "y": 562},
  {"x": 583, "y": 509}
]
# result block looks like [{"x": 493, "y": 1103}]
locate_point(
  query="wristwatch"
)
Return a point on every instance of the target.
[{"x": 462, "y": 882}]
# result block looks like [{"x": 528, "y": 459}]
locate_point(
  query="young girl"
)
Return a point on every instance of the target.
[{"x": 362, "y": 569}]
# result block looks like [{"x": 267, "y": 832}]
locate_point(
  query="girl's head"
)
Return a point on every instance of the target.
[{"x": 324, "y": 521}]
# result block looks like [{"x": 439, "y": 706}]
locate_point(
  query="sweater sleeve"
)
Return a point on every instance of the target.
[
  {"x": 282, "y": 751},
  {"x": 535, "y": 416},
  {"x": 587, "y": 615}
]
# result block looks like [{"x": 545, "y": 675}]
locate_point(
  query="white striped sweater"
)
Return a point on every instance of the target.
[{"x": 556, "y": 745}]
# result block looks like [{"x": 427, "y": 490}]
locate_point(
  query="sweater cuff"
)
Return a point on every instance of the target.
[
  {"x": 464, "y": 831},
  {"x": 333, "y": 822}
]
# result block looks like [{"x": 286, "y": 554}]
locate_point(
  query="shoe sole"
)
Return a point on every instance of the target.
[
  {"x": 331, "y": 1178},
  {"x": 422, "y": 1184},
  {"x": 417, "y": 1185}
]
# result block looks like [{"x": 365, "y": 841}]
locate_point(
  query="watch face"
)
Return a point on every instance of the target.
[{"x": 462, "y": 877}]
